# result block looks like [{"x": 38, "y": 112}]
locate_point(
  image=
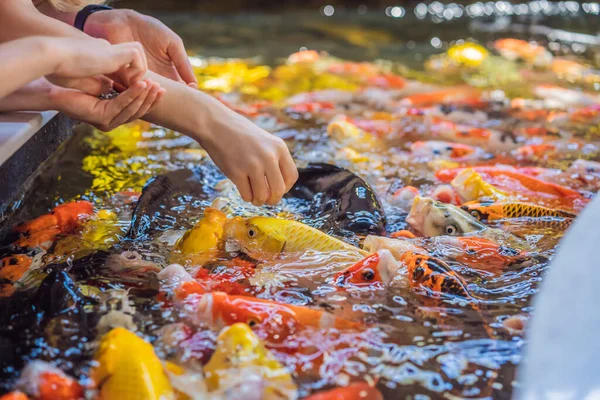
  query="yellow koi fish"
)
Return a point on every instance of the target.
[
  {"x": 128, "y": 369},
  {"x": 241, "y": 363},
  {"x": 260, "y": 235},
  {"x": 470, "y": 186},
  {"x": 205, "y": 235}
]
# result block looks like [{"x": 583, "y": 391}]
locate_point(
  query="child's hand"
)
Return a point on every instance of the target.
[
  {"x": 106, "y": 115},
  {"x": 258, "y": 163}
]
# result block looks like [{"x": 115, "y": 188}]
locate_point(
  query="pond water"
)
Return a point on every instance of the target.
[{"x": 407, "y": 106}]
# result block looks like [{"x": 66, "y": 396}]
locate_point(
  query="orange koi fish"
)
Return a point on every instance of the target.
[
  {"x": 353, "y": 68},
  {"x": 433, "y": 276},
  {"x": 492, "y": 140},
  {"x": 534, "y": 151},
  {"x": 446, "y": 194},
  {"x": 378, "y": 268},
  {"x": 304, "y": 56},
  {"x": 466, "y": 95},
  {"x": 11, "y": 270},
  {"x": 63, "y": 219},
  {"x": 44, "y": 381},
  {"x": 311, "y": 107},
  {"x": 514, "y": 49},
  {"x": 354, "y": 391},
  {"x": 438, "y": 148},
  {"x": 490, "y": 211},
  {"x": 228, "y": 280},
  {"x": 15, "y": 396},
  {"x": 446, "y": 175},
  {"x": 475, "y": 252},
  {"x": 276, "y": 320},
  {"x": 386, "y": 81}
]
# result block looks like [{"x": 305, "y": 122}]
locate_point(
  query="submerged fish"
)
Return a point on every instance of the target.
[
  {"x": 276, "y": 320},
  {"x": 354, "y": 391},
  {"x": 432, "y": 218},
  {"x": 378, "y": 268},
  {"x": 44, "y": 381},
  {"x": 470, "y": 186},
  {"x": 272, "y": 236},
  {"x": 127, "y": 368},
  {"x": 433, "y": 276},
  {"x": 205, "y": 235},
  {"x": 242, "y": 367},
  {"x": 63, "y": 219},
  {"x": 340, "y": 198}
]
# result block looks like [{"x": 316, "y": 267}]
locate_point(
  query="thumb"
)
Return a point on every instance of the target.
[{"x": 176, "y": 52}]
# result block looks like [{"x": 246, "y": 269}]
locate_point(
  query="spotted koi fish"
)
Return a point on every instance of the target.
[
  {"x": 433, "y": 276},
  {"x": 491, "y": 211}
]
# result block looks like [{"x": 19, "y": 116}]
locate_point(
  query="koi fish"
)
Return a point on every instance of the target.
[
  {"x": 488, "y": 139},
  {"x": 432, "y": 218},
  {"x": 469, "y": 185},
  {"x": 12, "y": 269},
  {"x": 276, "y": 320},
  {"x": 127, "y": 368},
  {"x": 404, "y": 197},
  {"x": 438, "y": 148},
  {"x": 241, "y": 363},
  {"x": 445, "y": 194},
  {"x": 433, "y": 276},
  {"x": 44, "y": 381},
  {"x": 386, "y": 81},
  {"x": 469, "y": 54},
  {"x": 515, "y": 49},
  {"x": 348, "y": 134},
  {"x": 14, "y": 396},
  {"x": 374, "y": 244},
  {"x": 456, "y": 95},
  {"x": 304, "y": 56},
  {"x": 205, "y": 235},
  {"x": 63, "y": 219},
  {"x": 354, "y": 391},
  {"x": 565, "y": 97},
  {"x": 491, "y": 211},
  {"x": 476, "y": 252},
  {"x": 265, "y": 235},
  {"x": 378, "y": 268}
]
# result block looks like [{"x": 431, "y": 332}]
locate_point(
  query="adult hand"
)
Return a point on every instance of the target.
[
  {"x": 106, "y": 115},
  {"x": 164, "y": 49}
]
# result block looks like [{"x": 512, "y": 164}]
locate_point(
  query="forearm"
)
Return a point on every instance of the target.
[
  {"x": 25, "y": 60},
  {"x": 35, "y": 96},
  {"x": 19, "y": 18},
  {"x": 187, "y": 110}
]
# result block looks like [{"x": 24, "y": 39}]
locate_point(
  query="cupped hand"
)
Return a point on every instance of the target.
[
  {"x": 258, "y": 163},
  {"x": 106, "y": 115},
  {"x": 164, "y": 48}
]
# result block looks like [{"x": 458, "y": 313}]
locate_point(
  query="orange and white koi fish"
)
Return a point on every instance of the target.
[
  {"x": 515, "y": 49},
  {"x": 44, "y": 381},
  {"x": 565, "y": 97},
  {"x": 445, "y": 194},
  {"x": 487, "y": 139},
  {"x": 63, "y": 219},
  {"x": 438, "y": 148},
  {"x": 404, "y": 197},
  {"x": 378, "y": 268},
  {"x": 354, "y": 391}
]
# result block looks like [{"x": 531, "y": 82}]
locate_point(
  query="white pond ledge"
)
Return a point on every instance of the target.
[{"x": 17, "y": 128}]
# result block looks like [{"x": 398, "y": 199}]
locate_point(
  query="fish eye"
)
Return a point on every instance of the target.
[
  {"x": 476, "y": 213},
  {"x": 252, "y": 322},
  {"x": 368, "y": 274},
  {"x": 251, "y": 232},
  {"x": 451, "y": 229}
]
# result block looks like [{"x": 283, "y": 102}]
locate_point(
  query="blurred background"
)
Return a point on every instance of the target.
[{"x": 404, "y": 31}]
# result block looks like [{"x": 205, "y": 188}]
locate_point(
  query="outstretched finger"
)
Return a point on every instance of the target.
[
  {"x": 276, "y": 185},
  {"x": 289, "y": 172},
  {"x": 243, "y": 186},
  {"x": 260, "y": 191},
  {"x": 176, "y": 51}
]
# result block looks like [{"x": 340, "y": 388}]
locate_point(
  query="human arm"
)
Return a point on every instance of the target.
[
  {"x": 258, "y": 163},
  {"x": 164, "y": 48},
  {"x": 41, "y": 95}
]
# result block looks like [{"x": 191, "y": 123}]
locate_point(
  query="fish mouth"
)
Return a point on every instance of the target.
[{"x": 418, "y": 212}]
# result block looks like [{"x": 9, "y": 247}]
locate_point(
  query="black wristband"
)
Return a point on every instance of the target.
[{"x": 83, "y": 15}]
